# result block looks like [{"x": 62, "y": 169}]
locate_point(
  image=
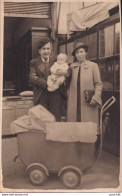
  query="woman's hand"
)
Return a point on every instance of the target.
[{"x": 93, "y": 102}]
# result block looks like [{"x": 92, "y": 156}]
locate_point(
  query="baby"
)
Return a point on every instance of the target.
[{"x": 54, "y": 80}]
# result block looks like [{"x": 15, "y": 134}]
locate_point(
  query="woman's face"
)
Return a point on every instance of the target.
[{"x": 80, "y": 54}]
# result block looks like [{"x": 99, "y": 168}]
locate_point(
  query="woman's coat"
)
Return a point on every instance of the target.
[{"x": 89, "y": 80}]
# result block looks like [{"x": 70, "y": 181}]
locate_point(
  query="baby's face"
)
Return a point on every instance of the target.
[{"x": 61, "y": 59}]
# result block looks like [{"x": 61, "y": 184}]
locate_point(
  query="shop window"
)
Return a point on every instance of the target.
[
  {"x": 106, "y": 42},
  {"x": 91, "y": 41},
  {"x": 69, "y": 52},
  {"x": 84, "y": 39},
  {"x": 117, "y": 38},
  {"x": 92, "y": 46},
  {"x": 117, "y": 74},
  {"x": 62, "y": 48},
  {"x": 106, "y": 71}
]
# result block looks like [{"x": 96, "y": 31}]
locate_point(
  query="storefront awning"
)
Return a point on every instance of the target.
[
  {"x": 27, "y": 9},
  {"x": 82, "y": 19}
]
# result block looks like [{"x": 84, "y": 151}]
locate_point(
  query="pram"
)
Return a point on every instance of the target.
[{"x": 65, "y": 148}]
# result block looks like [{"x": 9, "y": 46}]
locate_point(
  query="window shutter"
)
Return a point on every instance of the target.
[{"x": 28, "y": 9}]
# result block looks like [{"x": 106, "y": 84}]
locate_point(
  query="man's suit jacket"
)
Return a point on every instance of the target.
[{"x": 38, "y": 77}]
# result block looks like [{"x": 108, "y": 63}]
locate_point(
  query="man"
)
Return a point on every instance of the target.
[{"x": 39, "y": 71}]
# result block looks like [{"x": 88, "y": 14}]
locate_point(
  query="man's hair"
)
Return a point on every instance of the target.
[{"x": 44, "y": 42}]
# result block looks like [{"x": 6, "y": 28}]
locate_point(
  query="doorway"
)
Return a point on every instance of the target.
[{"x": 18, "y": 48}]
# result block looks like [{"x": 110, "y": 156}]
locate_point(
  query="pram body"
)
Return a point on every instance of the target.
[
  {"x": 34, "y": 148},
  {"x": 68, "y": 159}
]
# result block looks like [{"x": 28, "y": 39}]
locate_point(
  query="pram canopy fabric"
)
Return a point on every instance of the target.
[
  {"x": 26, "y": 123},
  {"x": 35, "y": 119},
  {"x": 41, "y": 113}
]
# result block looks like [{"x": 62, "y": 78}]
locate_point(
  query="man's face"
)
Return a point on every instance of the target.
[{"x": 45, "y": 51}]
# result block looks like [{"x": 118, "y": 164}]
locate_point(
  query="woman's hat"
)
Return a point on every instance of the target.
[
  {"x": 43, "y": 42},
  {"x": 79, "y": 45}
]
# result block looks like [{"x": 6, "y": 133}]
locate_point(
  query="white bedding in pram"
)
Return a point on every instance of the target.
[{"x": 72, "y": 131}]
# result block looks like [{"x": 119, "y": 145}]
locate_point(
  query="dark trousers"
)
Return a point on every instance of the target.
[{"x": 52, "y": 102}]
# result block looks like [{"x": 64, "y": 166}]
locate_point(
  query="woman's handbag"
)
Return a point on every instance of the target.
[{"x": 88, "y": 95}]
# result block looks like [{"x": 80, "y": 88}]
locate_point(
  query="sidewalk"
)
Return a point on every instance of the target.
[{"x": 105, "y": 174}]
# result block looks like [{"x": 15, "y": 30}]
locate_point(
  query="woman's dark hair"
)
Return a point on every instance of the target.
[{"x": 85, "y": 48}]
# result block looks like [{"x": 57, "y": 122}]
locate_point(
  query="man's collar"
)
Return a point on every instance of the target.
[{"x": 45, "y": 60}]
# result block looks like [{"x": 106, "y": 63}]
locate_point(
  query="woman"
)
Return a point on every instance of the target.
[{"x": 85, "y": 75}]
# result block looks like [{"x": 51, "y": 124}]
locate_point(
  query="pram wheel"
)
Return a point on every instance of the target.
[
  {"x": 70, "y": 178},
  {"x": 37, "y": 175}
]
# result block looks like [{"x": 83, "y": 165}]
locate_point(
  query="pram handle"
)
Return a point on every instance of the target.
[
  {"x": 106, "y": 105},
  {"x": 16, "y": 159}
]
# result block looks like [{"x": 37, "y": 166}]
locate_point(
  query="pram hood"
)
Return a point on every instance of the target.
[
  {"x": 41, "y": 113},
  {"x": 35, "y": 119}
]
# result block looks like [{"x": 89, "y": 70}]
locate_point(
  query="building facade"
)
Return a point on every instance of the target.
[{"x": 25, "y": 24}]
